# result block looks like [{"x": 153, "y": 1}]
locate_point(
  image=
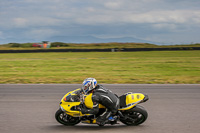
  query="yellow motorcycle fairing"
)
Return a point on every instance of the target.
[
  {"x": 133, "y": 99},
  {"x": 67, "y": 106}
]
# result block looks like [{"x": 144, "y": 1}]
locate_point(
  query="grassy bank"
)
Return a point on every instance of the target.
[
  {"x": 174, "y": 67},
  {"x": 60, "y": 45}
]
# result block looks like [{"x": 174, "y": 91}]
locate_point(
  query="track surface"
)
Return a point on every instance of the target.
[{"x": 31, "y": 109}]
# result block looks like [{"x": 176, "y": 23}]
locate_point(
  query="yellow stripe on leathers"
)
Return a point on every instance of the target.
[{"x": 89, "y": 103}]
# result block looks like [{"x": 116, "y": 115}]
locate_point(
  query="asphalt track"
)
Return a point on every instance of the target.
[{"x": 31, "y": 109}]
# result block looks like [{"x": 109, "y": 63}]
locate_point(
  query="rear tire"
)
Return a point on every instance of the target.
[
  {"x": 66, "y": 119},
  {"x": 135, "y": 116}
]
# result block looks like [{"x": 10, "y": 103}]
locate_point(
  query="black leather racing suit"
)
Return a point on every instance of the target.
[{"x": 105, "y": 97}]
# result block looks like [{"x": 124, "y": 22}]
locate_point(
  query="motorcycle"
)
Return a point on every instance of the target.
[{"x": 129, "y": 113}]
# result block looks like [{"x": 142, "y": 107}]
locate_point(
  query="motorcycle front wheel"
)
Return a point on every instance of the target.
[
  {"x": 66, "y": 119},
  {"x": 135, "y": 116}
]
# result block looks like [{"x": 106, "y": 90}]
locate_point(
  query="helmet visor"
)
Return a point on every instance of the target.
[{"x": 86, "y": 88}]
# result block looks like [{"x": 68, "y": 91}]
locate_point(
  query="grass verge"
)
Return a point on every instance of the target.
[{"x": 160, "y": 67}]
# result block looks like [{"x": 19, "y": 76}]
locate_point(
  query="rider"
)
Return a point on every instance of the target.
[{"x": 100, "y": 95}]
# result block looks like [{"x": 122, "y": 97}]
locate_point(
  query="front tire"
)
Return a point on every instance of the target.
[
  {"x": 135, "y": 116},
  {"x": 66, "y": 119}
]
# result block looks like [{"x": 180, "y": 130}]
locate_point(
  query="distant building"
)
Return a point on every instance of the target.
[{"x": 44, "y": 44}]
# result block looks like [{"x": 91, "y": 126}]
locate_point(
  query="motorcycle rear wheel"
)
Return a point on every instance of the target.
[
  {"x": 135, "y": 116},
  {"x": 66, "y": 119}
]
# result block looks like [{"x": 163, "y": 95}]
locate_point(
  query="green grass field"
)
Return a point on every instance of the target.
[{"x": 162, "y": 67}]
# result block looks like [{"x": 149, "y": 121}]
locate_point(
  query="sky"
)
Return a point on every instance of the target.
[{"x": 161, "y": 21}]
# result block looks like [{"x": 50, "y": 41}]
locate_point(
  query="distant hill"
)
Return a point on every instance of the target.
[{"x": 92, "y": 39}]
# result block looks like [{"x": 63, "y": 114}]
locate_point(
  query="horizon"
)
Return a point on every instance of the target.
[{"x": 136, "y": 43}]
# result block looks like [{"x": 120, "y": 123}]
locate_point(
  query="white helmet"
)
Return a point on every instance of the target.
[{"x": 89, "y": 84}]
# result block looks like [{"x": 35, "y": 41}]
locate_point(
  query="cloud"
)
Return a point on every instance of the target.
[
  {"x": 165, "y": 26},
  {"x": 128, "y": 11},
  {"x": 115, "y": 18},
  {"x": 196, "y": 17},
  {"x": 164, "y": 16},
  {"x": 113, "y": 4},
  {"x": 20, "y": 22},
  {"x": 1, "y": 35},
  {"x": 41, "y": 33}
]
